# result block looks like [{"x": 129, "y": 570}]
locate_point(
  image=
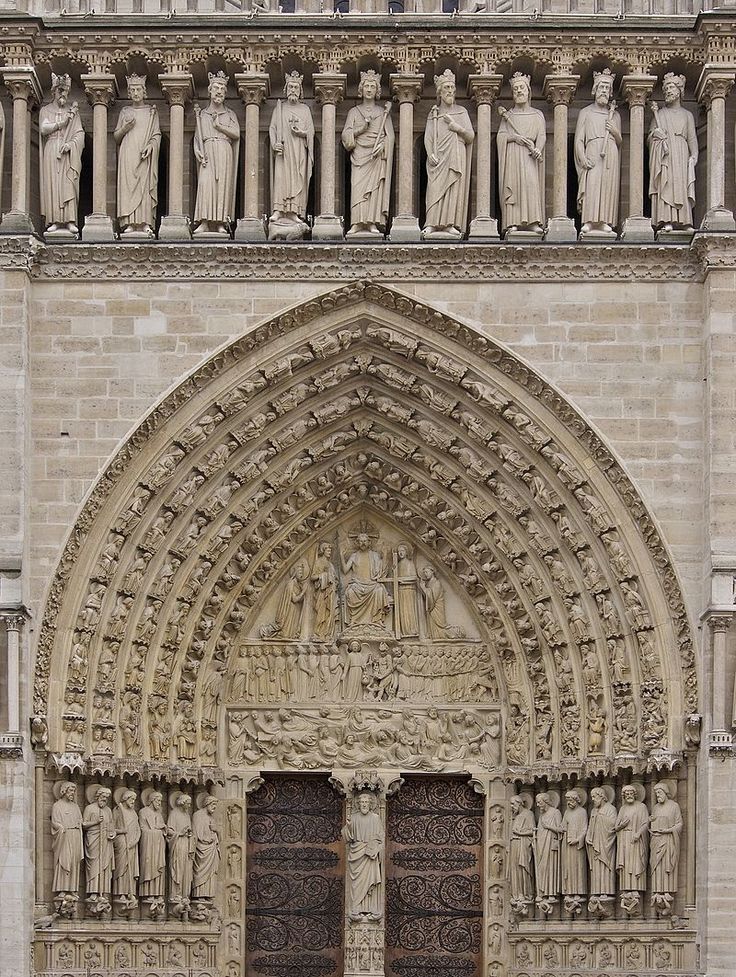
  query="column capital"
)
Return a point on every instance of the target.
[
  {"x": 714, "y": 82},
  {"x": 177, "y": 86},
  {"x": 22, "y": 82},
  {"x": 329, "y": 87},
  {"x": 559, "y": 89},
  {"x": 406, "y": 87},
  {"x": 485, "y": 89},
  {"x": 718, "y": 621},
  {"x": 253, "y": 87},
  {"x": 13, "y": 620},
  {"x": 637, "y": 88},
  {"x": 101, "y": 88}
]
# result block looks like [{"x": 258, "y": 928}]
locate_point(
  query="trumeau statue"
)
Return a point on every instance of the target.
[
  {"x": 665, "y": 828},
  {"x": 61, "y": 145},
  {"x": 291, "y": 137},
  {"x": 67, "y": 844},
  {"x": 125, "y": 847},
  {"x": 673, "y": 154},
  {"x": 138, "y": 135},
  {"x": 216, "y": 142},
  {"x": 364, "y": 835},
  {"x": 181, "y": 852},
  {"x": 598, "y": 157},
  {"x": 368, "y": 136},
  {"x": 520, "y": 852},
  {"x": 99, "y": 856},
  {"x": 521, "y": 139},
  {"x": 600, "y": 841},
  {"x": 448, "y": 139},
  {"x": 152, "y": 848}
]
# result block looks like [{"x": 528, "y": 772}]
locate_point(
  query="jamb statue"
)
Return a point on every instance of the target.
[
  {"x": 138, "y": 135},
  {"x": 291, "y": 138},
  {"x": 67, "y": 844},
  {"x": 216, "y": 140},
  {"x": 60, "y": 146}
]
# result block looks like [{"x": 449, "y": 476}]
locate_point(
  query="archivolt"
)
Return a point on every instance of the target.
[{"x": 367, "y": 397}]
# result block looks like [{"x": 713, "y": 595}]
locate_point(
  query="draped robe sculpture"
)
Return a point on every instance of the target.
[
  {"x": 291, "y": 138},
  {"x": 61, "y": 145},
  {"x": 673, "y": 154},
  {"x": 364, "y": 837},
  {"x": 631, "y": 836},
  {"x": 575, "y": 825},
  {"x": 547, "y": 849},
  {"x": 520, "y": 851},
  {"x": 125, "y": 846},
  {"x": 181, "y": 852},
  {"x": 598, "y": 158},
  {"x": 138, "y": 135},
  {"x": 216, "y": 139},
  {"x": 324, "y": 582},
  {"x": 600, "y": 840},
  {"x": 67, "y": 841},
  {"x": 367, "y": 600},
  {"x": 152, "y": 846},
  {"x": 448, "y": 139},
  {"x": 99, "y": 855},
  {"x": 665, "y": 828},
  {"x": 521, "y": 139},
  {"x": 407, "y": 618},
  {"x": 207, "y": 848}
]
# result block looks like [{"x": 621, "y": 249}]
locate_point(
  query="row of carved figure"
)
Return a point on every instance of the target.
[
  {"x": 368, "y": 137},
  {"x": 574, "y": 855},
  {"x": 125, "y": 852}
]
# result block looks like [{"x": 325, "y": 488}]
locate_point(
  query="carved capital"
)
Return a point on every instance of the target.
[
  {"x": 22, "y": 83},
  {"x": 719, "y": 621},
  {"x": 177, "y": 86},
  {"x": 329, "y": 87},
  {"x": 637, "y": 88},
  {"x": 406, "y": 87},
  {"x": 714, "y": 83},
  {"x": 484, "y": 89},
  {"x": 559, "y": 89},
  {"x": 101, "y": 89},
  {"x": 253, "y": 88},
  {"x": 13, "y": 620}
]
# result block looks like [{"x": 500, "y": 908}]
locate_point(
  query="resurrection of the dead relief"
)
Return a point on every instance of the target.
[{"x": 361, "y": 570}]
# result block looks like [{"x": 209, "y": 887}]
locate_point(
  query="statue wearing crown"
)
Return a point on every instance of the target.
[
  {"x": 598, "y": 159},
  {"x": 521, "y": 139},
  {"x": 673, "y": 154},
  {"x": 138, "y": 136},
  {"x": 216, "y": 143},
  {"x": 291, "y": 138},
  {"x": 448, "y": 139},
  {"x": 61, "y": 145}
]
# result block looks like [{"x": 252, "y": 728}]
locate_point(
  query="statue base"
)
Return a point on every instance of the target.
[
  {"x": 519, "y": 234},
  {"x": 561, "y": 230},
  {"x": 61, "y": 234},
  {"x": 16, "y": 222},
  {"x": 97, "y": 228},
  {"x": 681, "y": 235},
  {"x": 718, "y": 219},
  {"x": 598, "y": 236},
  {"x": 448, "y": 234},
  {"x": 405, "y": 229},
  {"x": 286, "y": 230},
  {"x": 484, "y": 229},
  {"x": 327, "y": 228},
  {"x": 175, "y": 229},
  {"x": 637, "y": 229},
  {"x": 365, "y": 237},
  {"x": 138, "y": 234},
  {"x": 250, "y": 229}
]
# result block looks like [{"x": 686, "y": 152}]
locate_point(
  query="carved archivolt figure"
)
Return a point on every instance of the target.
[
  {"x": 324, "y": 581},
  {"x": 153, "y": 845},
  {"x": 600, "y": 841},
  {"x": 547, "y": 846},
  {"x": 665, "y": 828},
  {"x": 521, "y": 139},
  {"x": 62, "y": 142},
  {"x": 99, "y": 856},
  {"x": 66, "y": 836},
  {"x": 631, "y": 832},
  {"x": 291, "y": 135},
  {"x": 181, "y": 851},
  {"x": 216, "y": 140},
  {"x": 207, "y": 847},
  {"x": 369, "y": 138},
  {"x": 138, "y": 135},
  {"x": 673, "y": 154},
  {"x": 520, "y": 853},
  {"x": 125, "y": 847},
  {"x": 364, "y": 836},
  {"x": 448, "y": 139},
  {"x": 575, "y": 825},
  {"x": 598, "y": 157}
]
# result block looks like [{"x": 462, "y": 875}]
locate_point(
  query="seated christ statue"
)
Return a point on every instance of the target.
[{"x": 366, "y": 599}]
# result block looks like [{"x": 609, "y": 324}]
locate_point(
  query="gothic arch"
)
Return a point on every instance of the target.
[{"x": 366, "y": 403}]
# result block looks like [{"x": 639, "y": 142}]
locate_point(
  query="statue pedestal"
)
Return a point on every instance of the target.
[
  {"x": 561, "y": 230},
  {"x": 598, "y": 237},
  {"x": 98, "y": 227},
  {"x": 365, "y": 237},
  {"x": 405, "y": 229},
  {"x": 637, "y": 229},
  {"x": 676, "y": 236},
  {"x": 175, "y": 229},
  {"x": 519, "y": 234},
  {"x": 61, "y": 234},
  {"x": 718, "y": 219},
  {"x": 327, "y": 228},
  {"x": 17, "y": 222},
  {"x": 484, "y": 229},
  {"x": 250, "y": 229}
]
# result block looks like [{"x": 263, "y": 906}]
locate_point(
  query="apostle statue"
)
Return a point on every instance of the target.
[
  {"x": 673, "y": 153},
  {"x": 99, "y": 855},
  {"x": 291, "y": 136},
  {"x": 406, "y": 622},
  {"x": 364, "y": 837},
  {"x": 206, "y": 848},
  {"x": 520, "y": 851},
  {"x": 324, "y": 582},
  {"x": 366, "y": 599},
  {"x": 138, "y": 136},
  {"x": 600, "y": 841},
  {"x": 369, "y": 138},
  {"x": 574, "y": 866},
  {"x": 152, "y": 851},
  {"x": 665, "y": 828},
  {"x": 216, "y": 142},
  {"x": 547, "y": 850},
  {"x": 448, "y": 139},
  {"x": 181, "y": 852},
  {"x": 61, "y": 144},
  {"x": 598, "y": 157},
  {"x": 66, "y": 840},
  {"x": 125, "y": 847},
  {"x": 520, "y": 140},
  {"x": 631, "y": 835}
]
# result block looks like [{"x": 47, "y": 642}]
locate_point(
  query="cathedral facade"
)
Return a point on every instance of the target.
[{"x": 367, "y": 562}]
